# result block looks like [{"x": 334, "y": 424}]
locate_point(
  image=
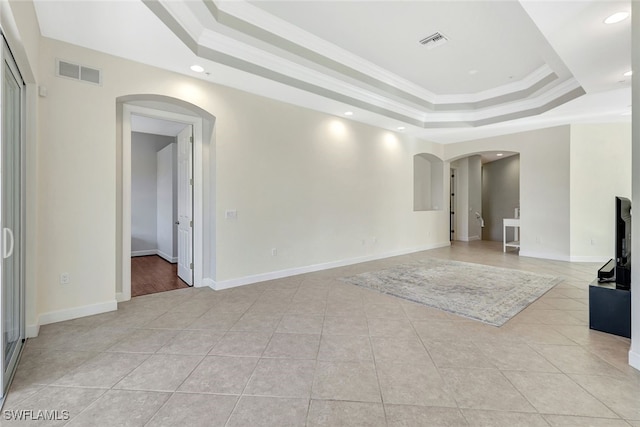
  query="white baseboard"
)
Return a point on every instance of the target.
[
  {"x": 247, "y": 280},
  {"x": 74, "y": 313},
  {"x": 209, "y": 282},
  {"x": 543, "y": 255},
  {"x": 144, "y": 253},
  {"x": 601, "y": 259},
  {"x": 474, "y": 238},
  {"x": 120, "y": 297},
  {"x": 634, "y": 359},
  {"x": 32, "y": 331},
  {"x": 167, "y": 257}
]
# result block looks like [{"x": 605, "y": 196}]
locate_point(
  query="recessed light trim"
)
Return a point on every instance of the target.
[
  {"x": 197, "y": 68},
  {"x": 616, "y": 17},
  {"x": 401, "y": 128},
  {"x": 499, "y": 154},
  {"x": 628, "y": 73},
  {"x": 348, "y": 113}
]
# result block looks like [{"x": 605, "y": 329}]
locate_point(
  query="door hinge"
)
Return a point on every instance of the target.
[
  {"x": 191, "y": 181},
  {"x": 191, "y": 139},
  {"x": 191, "y": 266},
  {"x": 191, "y": 224}
]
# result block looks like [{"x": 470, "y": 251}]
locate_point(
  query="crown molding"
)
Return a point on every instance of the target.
[{"x": 379, "y": 91}]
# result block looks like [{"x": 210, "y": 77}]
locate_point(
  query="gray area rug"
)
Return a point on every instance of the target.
[{"x": 489, "y": 294}]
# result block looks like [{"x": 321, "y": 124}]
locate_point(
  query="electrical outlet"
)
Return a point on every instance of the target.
[
  {"x": 274, "y": 251},
  {"x": 231, "y": 214},
  {"x": 65, "y": 279}
]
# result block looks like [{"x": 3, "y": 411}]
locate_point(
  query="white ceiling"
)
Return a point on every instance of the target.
[{"x": 538, "y": 63}]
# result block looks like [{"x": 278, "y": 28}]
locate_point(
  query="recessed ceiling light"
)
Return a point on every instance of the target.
[
  {"x": 401, "y": 128},
  {"x": 616, "y": 17},
  {"x": 499, "y": 154},
  {"x": 197, "y": 68},
  {"x": 348, "y": 113},
  {"x": 628, "y": 73},
  {"x": 472, "y": 72}
]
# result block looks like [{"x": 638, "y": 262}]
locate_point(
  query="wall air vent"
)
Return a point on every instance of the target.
[
  {"x": 78, "y": 72},
  {"x": 434, "y": 40}
]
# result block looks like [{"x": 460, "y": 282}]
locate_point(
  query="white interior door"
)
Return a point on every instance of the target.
[{"x": 185, "y": 205}]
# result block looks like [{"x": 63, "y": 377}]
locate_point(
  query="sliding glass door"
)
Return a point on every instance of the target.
[{"x": 11, "y": 216}]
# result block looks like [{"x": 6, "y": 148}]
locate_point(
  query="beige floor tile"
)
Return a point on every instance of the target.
[
  {"x": 344, "y": 308},
  {"x": 293, "y": 346},
  {"x": 479, "y": 418},
  {"x": 160, "y": 372},
  {"x": 345, "y": 325},
  {"x": 345, "y": 414},
  {"x": 385, "y": 310},
  {"x": 576, "y": 360},
  {"x": 223, "y": 375},
  {"x": 104, "y": 370},
  {"x": 557, "y": 394},
  {"x": 132, "y": 318},
  {"x": 257, "y": 322},
  {"x": 121, "y": 408},
  {"x": 390, "y": 327},
  {"x": 214, "y": 320},
  {"x": 435, "y": 330},
  {"x": 19, "y": 391},
  {"x": 310, "y": 307},
  {"x": 144, "y": 341},
  {"x": 68, "y": 402},
  {"x": 622, "y": 395},
  {"x": 193, "y": 306},
  {"x": 415, "y": 311},
  {"x": 172, "y": 320},
  {"x": 484, "y": 389},
  {"x": 460, "y": 354},
  {"x": 300, "y": 324},
  {"x": 194, "y": 410},
  {"x": 198, "y": 342},
  {"x": 241, "y": 344},
  {"x": 399, "y": 350},
  {"x": 515, "y": 356},
  {"x": 345, "y": 348},
  {"x": 423, "y": 416},
  {"x": 46, "y": 366},
  {"x": 414, "y": 384},
  {"x": 269, "y": 412},
  {"x": 354, "y": 381},
  {"x": 569, "y": 421},
  {"x": 281, "y": 378},
  {"x": 536, "y": 334},
  {"x": 99, "y": 339}
]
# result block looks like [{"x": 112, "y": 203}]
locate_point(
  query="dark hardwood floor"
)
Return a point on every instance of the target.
[{"x": 151, "y": 274}]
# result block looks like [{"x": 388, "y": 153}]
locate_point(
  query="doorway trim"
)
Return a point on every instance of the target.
[{"x": 198, "y": 244}]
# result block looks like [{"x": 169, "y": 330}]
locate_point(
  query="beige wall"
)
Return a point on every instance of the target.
[
  {"x": 311, "y": 185},
  {"x": 544, "y": 186},
  {"x": 600, "y": 170}
]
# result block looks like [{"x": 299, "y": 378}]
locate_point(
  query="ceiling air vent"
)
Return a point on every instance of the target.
[
  {"x": 78, "y": 72},
  {"x": 434, "y": 40}
]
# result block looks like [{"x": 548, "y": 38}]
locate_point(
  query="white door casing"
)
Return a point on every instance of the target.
[
  {"x": 198, "y": 208},
  {"x": 185, "y": 204}
]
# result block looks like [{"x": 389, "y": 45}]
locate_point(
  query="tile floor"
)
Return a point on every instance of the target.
[{"x": 311, "y": 350}]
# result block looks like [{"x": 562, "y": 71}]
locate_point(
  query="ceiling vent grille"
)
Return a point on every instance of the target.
[
  {"x": 78, "y": 72},
  {"x": 434, "y": 40}
]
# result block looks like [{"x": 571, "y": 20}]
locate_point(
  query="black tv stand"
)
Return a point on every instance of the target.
[{"x": 610, "y": 309}]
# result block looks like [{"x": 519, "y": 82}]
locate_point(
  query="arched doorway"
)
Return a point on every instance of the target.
[{"x": 203, "y": 202}]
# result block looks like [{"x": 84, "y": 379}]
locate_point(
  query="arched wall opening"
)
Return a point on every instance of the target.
[
  {"x": 167, "y": 108},
  {"x": 484, "y": 189}
]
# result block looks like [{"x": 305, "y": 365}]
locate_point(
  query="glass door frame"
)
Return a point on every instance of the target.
[{"x": 8, "y": 369}]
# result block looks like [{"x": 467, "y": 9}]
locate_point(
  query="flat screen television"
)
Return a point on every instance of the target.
[{"x": 623, "y": 243}]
